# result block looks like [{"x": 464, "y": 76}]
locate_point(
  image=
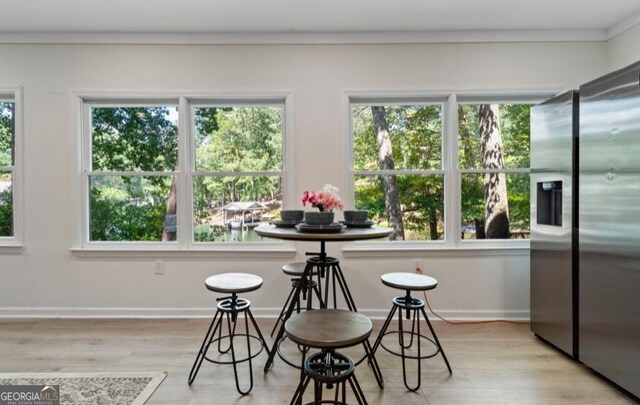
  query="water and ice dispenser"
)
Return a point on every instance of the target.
[{"x": 549, "y": 203}]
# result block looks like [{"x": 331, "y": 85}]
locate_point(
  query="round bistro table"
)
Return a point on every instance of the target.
[{"x": 321, "y": 260}]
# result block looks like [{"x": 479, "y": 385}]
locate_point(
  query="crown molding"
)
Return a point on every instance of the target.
[
  {"x": 302, "y": 38},
  {"x": 623, "y": 25}
]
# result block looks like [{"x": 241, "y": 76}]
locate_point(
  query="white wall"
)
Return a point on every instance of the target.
[
  {"x": 46, "y": 278},
  {"x": 624, "y": 49}
]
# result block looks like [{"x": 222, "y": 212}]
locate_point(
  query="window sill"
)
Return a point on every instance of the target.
[
  {"x": 11, "y": 248},
  {"x": 173, "y": 251},
  {"x": 436, "y": 249}
]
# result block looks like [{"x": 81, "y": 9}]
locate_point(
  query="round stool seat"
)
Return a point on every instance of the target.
[
  {"x": 409, "y": 281},
  {"x": 328, "y": 328},
  {"x": 233, "y": 282},
  {"x": 294, "y": 269}
]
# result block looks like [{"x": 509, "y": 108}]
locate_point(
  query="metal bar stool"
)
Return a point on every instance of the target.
[
  {"x": 328, "y": 330},
  {"x": 309, "y": 288},
  {"x": 413, "y": 310},
  {"x": 229, "y": 308}
]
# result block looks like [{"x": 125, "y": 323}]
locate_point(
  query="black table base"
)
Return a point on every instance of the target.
[{"x": 328, "y": 267}]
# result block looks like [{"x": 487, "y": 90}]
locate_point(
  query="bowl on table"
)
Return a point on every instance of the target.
[
  {"x": 291, "y": 215},
  {"x": 355, "y": 216}
]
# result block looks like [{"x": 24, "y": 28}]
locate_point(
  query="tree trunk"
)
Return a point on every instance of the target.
[
  {"x": 433, "y": 226},
  {"x": 465, "y": 140},
  {"x": 496, "y": 205},
  {"x": 389, "y": 182},
  {"x": 172, "y": 203}
]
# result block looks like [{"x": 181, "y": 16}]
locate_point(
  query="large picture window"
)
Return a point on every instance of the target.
[
  {"x": 452, "y": 170},
  {"x": 152, "y": 178}
]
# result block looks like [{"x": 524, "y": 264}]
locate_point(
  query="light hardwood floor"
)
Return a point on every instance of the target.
[{"x": 495, "y": 363}]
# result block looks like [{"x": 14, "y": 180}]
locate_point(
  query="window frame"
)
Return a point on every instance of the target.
[
  {"x": 451, "y": 168},
  {"x": 185, "y": 172},
  {"x": 399, "y": 101},
  {"x": 8, "y": 243}
]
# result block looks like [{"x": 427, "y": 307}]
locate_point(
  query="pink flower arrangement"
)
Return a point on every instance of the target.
[{"x": 324, "y": 200}]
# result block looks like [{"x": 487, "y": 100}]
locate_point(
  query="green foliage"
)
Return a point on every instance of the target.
[
  {"x": 237, "y": 140},
  {"x": 6, "y": 213},
  {"x": 6, "y": 160},
  {"x": 131, "y": 208},
  {"x": 415, "y": 133},
  {"x": 515, "y": 130},
  {"x": 134, "y": 139},
  {"x": 128, "y": 209},
  {"x": 141, "y": 139},
  {"x": 6, "y": 133}
]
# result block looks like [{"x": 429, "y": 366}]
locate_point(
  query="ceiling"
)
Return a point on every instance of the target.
[{"x": 29, "y": 17}]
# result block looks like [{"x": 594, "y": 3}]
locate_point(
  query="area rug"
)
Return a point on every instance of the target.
[{"x": 93, "y": 388}]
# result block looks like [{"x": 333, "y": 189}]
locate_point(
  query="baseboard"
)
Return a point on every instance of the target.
[{"x": 177, "y": 313}]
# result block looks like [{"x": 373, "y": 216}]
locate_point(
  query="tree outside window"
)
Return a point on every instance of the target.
[
  {"x": 493, "y": 152},
  {"x": 234, "y": 167},
  {"x": 399, "y": 171},
  {"x": 7, "y": 165},
  {"x": 237, "y": 183},
  {"x": 398, "y": 175}
]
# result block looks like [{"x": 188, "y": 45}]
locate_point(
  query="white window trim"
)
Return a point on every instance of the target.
[
  {"x": 452, "y": 173},
  {"x": 15, "y": 243},
  {"x": 186, "y": 170}
]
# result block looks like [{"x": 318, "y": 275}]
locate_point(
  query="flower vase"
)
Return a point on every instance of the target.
[{"x": 318, "y": 218}]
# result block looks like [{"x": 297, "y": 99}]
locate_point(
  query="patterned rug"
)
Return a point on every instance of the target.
[{"x": 93, "y": 388}]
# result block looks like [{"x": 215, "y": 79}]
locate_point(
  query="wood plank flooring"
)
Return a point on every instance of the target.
[{"x": 494, "y": 363}]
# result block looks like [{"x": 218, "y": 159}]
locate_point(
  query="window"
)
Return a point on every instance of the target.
[
  {"x": 448, "y": 170},
  {"x": 10, "y": 173},
  {"x": 493, "y": 151},
  {"x": 134, "y": 153},
  {"x": 151, "y": 178},
  {"x": 237, "y": 182},
  {"x": 397, "y": 167}
]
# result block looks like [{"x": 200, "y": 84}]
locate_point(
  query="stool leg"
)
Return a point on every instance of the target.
[
  {"x": 327, "y": 284},
  {"x": 287, "y": 315},
  {"x": 318, "y": 291},
  {"x": 435, "y": 337},
  {"x": 255, "y": 325},
  {"x": 318, "y": 288},
  {"x": 385, "y": 326},
  {"x": 284, "y": 308},
  {"x": 233, "y": 355},
  {"x": 373, "y": 363},
  {"x": 404, "y": 347},
  {"x": 302, "y": 385},
  {"x": 345, "y": 288},
  {"x": 355, "y": 386},
  {"x": 297, "y": 396},
  {"x": 220, "y": 335},
  {"x": 205, "y": 346},
  {"x": 307, "y": 291},
  {"x": 317, "y": 392}
]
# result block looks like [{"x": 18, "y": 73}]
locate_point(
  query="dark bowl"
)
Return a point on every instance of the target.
[
  {"x": 356, "y": 215},
  {"x": 291, "y": 215}
]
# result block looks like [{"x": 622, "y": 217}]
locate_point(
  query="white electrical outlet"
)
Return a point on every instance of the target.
[
  {"x": 417, "y": 265},
  {"x": 159, "y": 267}
]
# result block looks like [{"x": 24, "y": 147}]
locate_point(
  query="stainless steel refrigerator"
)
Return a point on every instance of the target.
[
  {"x": 609, "y": 227},
  {"x": 554, "y": 132}
]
